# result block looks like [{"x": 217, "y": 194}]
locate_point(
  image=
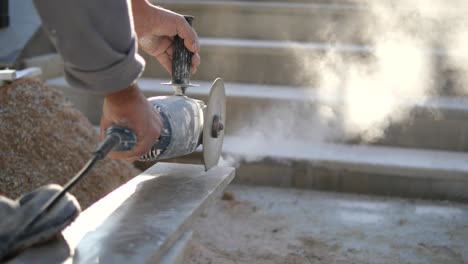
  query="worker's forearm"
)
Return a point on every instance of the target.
[{"x": 96, "y": 40}]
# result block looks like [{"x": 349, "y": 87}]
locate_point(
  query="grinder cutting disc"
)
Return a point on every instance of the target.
[{"x": 213, "y": 127}]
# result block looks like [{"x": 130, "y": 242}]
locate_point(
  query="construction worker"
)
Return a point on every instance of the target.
[{"x": 98, "y": 43}]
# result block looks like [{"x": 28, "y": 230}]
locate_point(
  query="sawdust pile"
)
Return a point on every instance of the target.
[{"x": 43, "y": 139}]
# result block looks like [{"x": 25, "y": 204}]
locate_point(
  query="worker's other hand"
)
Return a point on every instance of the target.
[
  {"x": 156, "y": 28},
  {"x": 129, "y": 108}
]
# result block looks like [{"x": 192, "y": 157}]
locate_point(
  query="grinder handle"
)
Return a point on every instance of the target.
[{"x": 181, "y": 60}]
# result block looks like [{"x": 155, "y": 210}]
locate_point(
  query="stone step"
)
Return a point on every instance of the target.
[
  {"x": 297, "y": 63},
  {"x": 378, "y": 170},
  {"x": 436, "y": 123},
  {"x": 293, "y": 112},
  {"x": 308, "y": 21},
  {"x": 146, "y": 220},
  {"x": 263, "y": 62}
]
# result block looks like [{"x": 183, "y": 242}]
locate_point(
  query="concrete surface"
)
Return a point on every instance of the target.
[
  {"x": 140, "y": 221},
  {"x": 352, "y": 168},
  {"x": 272, "y": 225},
  {"x": 178, "y": 254},
  {"x": 256, "y": 20},
  {"x": 378, "y": 170},
  {"x": 255, "y": 61},
  {"x": 283, "y": 62}
]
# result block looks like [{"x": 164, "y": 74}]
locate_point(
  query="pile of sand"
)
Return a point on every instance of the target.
[{"x": 43, "y": 139}]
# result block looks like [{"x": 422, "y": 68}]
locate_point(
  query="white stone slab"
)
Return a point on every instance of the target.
[{"x": 140, "y": 221}]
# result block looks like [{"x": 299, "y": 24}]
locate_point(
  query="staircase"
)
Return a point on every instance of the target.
[{"x": 279, "y": 130}]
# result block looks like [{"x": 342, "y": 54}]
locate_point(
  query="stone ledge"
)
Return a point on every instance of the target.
[
  {"x": 377, "y": 170},
  {"x": 140, "y": 221},
  {"x": 413, "y": 173}
]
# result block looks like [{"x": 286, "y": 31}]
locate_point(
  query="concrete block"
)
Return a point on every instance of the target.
[
  {"x": 266, "y": 174},
  {"x": 350, "y": 168},
  {"x": 446, "y": 133},
  {"x": 140, "y": 221},
  {"x": 179, "y": 252},
  {"x": 352, "y": 181}
]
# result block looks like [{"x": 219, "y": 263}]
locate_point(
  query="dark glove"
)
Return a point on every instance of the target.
[{"x": 13, "y": 214}]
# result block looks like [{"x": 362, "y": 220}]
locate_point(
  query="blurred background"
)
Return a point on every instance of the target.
[{"x": 349, "y": 97}]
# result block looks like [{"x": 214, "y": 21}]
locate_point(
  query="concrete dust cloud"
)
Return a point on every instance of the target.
[
  {"x": 412, "y": 43},
  {"x": 417, "y": 49},
  {"x": 368, "y": 96}
]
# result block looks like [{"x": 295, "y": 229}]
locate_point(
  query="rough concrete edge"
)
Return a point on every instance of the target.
[
  {"x": 157, "y": 256},
  {"x": 179, "y": 251},
  {"x": 293, "y": 173},
  {"x": 342, "y": 165}
]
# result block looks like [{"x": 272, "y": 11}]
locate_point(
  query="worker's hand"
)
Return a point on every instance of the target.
[
  {"x": 156, "y": 28},
  {"x": 129, "y": 108}
]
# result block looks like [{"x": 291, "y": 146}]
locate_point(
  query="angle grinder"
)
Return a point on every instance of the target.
[{"x": 187, "y": 124}]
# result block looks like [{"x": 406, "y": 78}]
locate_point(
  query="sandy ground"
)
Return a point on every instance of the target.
[
  {"x": 269, "y": 225},
  {"x": 44, "y": 139}
]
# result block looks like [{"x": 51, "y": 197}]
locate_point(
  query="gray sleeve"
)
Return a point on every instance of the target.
[{"x": 96, "y": 41}]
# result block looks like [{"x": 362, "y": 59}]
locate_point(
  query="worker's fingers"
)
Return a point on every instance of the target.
[
  {"x": 188, "y": 34},
  {"x": 170, "y": 51},
  {"x": 160, "y": 48},
  {"x": 129, "y": 108},
  {"x": 155, "y": 45},
  {"x": 131, "y": 160},
  {"x": 195, "y": 63},
  {"x": 146, "y": 136},
  {"x": 165, "y": 61}
]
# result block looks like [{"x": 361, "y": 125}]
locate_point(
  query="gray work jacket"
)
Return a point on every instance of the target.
[{"x": 96, "y": 41}]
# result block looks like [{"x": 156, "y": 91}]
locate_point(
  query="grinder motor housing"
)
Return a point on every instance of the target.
[{"x": 182, "y": 119}]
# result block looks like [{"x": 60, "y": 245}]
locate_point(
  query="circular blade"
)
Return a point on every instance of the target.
[{"x": 214, "y": 123}]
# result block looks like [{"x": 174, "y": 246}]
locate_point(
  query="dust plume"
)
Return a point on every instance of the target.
[
  {"x": 410, "y": 51},
  {"x": 416, "y": 49}
]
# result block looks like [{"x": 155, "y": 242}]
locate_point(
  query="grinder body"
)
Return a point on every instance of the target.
[{"x": 182, "y": 119}]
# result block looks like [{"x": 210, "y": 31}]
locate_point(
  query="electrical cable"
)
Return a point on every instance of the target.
[{"x": 111, "y": 140}]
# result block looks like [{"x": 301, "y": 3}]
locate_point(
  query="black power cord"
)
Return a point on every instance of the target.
[{"x": 116, "y": 138}]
